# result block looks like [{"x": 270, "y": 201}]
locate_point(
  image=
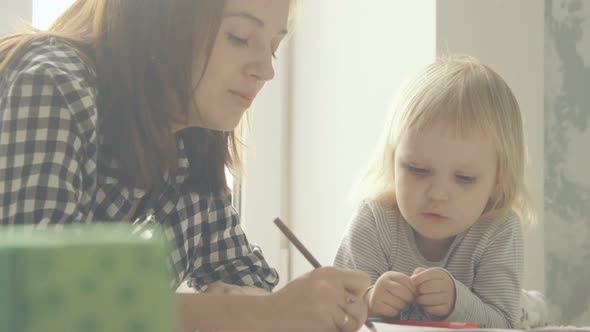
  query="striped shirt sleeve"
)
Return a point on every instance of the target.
[
  {"x": 361, "y": 247},
  {"x": 494, "y": 298}
]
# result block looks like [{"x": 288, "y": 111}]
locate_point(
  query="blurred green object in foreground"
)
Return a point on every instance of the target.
[{"x": 88, "y": 278}]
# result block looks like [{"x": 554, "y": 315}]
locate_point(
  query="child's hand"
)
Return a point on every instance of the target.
[
  {"x": 392, "y": 293},
  {"x": 435, "y": 291}
]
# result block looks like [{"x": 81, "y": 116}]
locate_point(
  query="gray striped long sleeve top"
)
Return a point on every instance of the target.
[{"x": 486, "y": 262}]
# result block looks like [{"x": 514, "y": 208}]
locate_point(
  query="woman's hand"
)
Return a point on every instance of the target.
[
  {"x": 326, "y": 299},
  {"x": 221, "y": 288},
  {"x": 323, "y": 300}
]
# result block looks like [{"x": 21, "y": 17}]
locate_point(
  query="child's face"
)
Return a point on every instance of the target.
[{"x": 443, "y": 181}]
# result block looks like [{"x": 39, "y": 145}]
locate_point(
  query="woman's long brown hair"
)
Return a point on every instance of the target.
[{"x": 143, "y": 52}]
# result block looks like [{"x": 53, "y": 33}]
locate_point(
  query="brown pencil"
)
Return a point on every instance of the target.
[{"x": 314, "y": 262}]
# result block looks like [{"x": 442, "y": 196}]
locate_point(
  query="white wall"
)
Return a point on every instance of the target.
[
  {"x": 509, "y": 36},
  {"x": 264, "y": 192},
  {"x": 10, "y": 13},
  {"x": 350, "y": 57}
]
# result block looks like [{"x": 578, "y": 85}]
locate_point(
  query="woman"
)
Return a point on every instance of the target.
[{"x": 126, "y": 109}]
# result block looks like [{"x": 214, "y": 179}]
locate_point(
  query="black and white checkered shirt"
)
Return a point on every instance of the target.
[{"x": 52, "y": 170}]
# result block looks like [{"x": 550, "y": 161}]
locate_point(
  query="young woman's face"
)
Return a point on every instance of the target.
[
  {"x": 443, "y": 182},
  {"x": 241, "y": 61}
]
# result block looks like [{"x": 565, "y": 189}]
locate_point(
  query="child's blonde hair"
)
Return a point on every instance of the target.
[{"x": 471, "y": 98}]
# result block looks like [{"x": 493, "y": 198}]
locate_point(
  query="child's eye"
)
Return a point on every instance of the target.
[
  {"x": 418, "y": 170},
  {"x": 241, "y": 42},
  {"x": 466, "y": 179}
]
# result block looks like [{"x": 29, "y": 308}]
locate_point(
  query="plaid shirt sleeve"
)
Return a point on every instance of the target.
[
  {"x": 222, "y": 251},
  {"x": 45, "y": 141},
  {"x": 49, "y": 174}
]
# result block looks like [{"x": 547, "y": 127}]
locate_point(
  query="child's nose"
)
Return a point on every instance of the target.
[{"x": 438, "y": 190}]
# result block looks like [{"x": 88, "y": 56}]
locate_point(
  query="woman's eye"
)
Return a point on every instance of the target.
[
  {"x": 241, "y": 42},
  {"x": 418, "y": 170},
  {"x": 466, "y": 179}
]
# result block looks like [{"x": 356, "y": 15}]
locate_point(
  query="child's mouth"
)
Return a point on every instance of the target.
[{"x": 434, "y": 217}]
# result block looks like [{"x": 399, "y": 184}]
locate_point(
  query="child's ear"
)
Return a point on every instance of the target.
[
  {"x": 495, "y": 190},
  {"x": 494, "y": 195}
]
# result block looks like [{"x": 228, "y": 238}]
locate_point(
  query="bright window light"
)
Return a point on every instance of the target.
[{"x": 46, "y": 11}]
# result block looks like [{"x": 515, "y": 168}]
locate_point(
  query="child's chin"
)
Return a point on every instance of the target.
[{"x": 435, "y": 235}]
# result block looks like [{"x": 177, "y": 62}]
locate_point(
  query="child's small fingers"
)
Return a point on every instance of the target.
[
  {"x": 404, "y": 281},
  {"x": 395, "y": 302},
  {"x": 426, "y": 275},
  {"x": 401, "y": 291},
  {"x": 420, "y": 277},
  {"x": 386, "y": 309},
  {"x": 431, "y": 286},
  {"x": 434, "y": 299},
  {"x": 418, "y": 270}
]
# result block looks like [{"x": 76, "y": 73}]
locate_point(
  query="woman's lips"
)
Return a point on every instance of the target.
[{"x": 242, "y": 99}]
